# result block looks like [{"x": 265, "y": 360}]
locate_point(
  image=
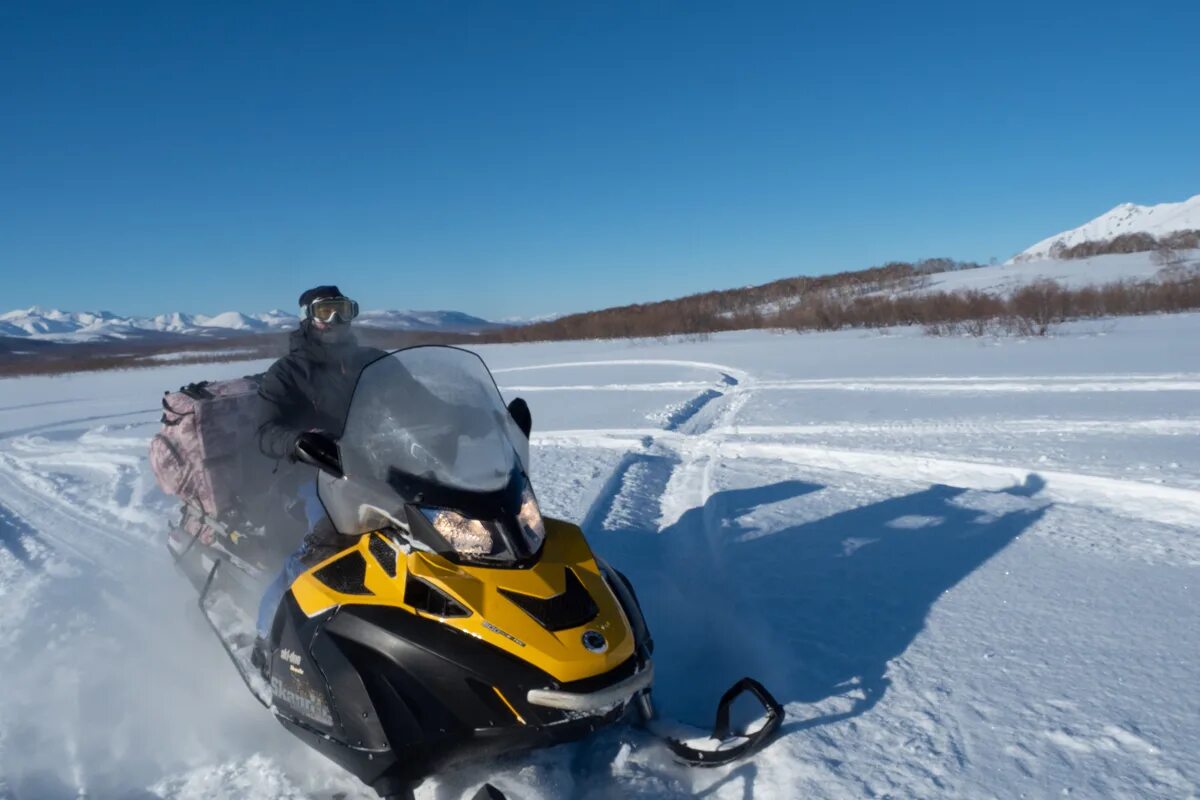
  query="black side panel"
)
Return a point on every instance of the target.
[
  {"x": 358, "y": 721},
  {"x": 338, "y": 718},
  {"x": 572, "y": 608},
  {"x": 439, "y": 659},
  {"x": 431, "y": 687},
  {"x": 299, "y": 689},
  {"x": 411, "y": 696}
]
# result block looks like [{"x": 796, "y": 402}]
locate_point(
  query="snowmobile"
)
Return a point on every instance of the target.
[{"x": 456, "y": 623}]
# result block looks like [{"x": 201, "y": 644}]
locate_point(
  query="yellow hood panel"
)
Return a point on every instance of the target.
[{"x": 561, "y": 653}]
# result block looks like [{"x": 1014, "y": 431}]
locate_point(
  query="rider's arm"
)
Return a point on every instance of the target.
[{"x": 279, "y": 416}]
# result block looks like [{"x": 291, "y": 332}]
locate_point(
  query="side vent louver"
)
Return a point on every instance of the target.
[
  {"x": 424, "y": 597},
  {"x": 384, "y": 554},
  {"x": 572, "y": 608},
  {"x": 346, "y": 575}
]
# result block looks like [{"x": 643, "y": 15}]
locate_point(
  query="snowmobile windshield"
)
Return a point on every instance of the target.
[{"x": 428, "y": 439}]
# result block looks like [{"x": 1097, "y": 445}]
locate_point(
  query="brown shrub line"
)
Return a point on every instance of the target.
[
  {"x": 1166, "y": 245},
  {"x": 730, "y": 309},
  {"x": 1029, "y": 311}
]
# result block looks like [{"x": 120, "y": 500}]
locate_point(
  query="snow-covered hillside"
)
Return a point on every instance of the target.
[
  {"x": 73, "y": 326},
  {"x": 969, "y": 569},
  {"x": 1072, "y": 273},
  {"x": 1157, "y": 220},
  {"x": 423, "y": 321}
]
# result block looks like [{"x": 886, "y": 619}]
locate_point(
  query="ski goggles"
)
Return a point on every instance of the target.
[{"x": 332, "y": 309}]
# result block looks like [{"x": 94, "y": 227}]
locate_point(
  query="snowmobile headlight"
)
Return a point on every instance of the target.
[
  {"x": 533, "y": 528},
  {"x": 471, "y": 537},
  {"x": 491, "y": 540}
]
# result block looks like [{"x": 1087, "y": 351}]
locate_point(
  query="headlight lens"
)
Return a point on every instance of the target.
[
  {"x": 487, "y": 539},
  {"x": 533, "y": 528},
  {"x": 471, "y": 537}
]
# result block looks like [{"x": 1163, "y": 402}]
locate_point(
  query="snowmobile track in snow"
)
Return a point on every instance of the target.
[{"x": 704, "y": 431}]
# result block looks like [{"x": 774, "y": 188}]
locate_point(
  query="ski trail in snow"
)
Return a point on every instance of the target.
[
  {"x": 691, "y": 484},
  {"x": 639, "y": 515},
  {"x": 725, "y": 370},
  {"x": 64, "y": 503},
  {"x": 1146, "y": 382},
  {"x": 1135, "y": 499},
  {"x": 1012, "y": 384},
  {"x": 1165, "y": 427},
  {"x": 609, "y": 387}
]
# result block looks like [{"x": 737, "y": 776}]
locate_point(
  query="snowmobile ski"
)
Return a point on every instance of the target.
[{"x": 726, "y": 745}]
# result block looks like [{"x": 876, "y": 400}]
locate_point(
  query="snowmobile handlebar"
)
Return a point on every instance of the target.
[{"x": 318, "y": 449}]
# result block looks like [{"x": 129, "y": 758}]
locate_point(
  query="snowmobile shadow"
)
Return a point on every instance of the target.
[
  {"x": 817, "y": 610},
  {"x": 747, "y": 773}
]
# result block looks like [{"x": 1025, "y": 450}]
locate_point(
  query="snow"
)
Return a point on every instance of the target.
[
  {"x": 968, "y": 568},
  {"x": 1003, "y": 279},
  {"x": 231, "y": 320},
  {"x": 231, "y": 354},
  {"x": 1072, "y": 273},
  {"x": 1157, "y": 220},
  {"x": 422, "y": 320},
  {"x": 87, "y": 326}
]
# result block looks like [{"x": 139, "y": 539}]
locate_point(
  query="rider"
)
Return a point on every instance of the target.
[{"x": 306, "y": 395}]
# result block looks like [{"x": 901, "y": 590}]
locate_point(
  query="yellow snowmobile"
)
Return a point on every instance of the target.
[{"x": 457, "y": 623}]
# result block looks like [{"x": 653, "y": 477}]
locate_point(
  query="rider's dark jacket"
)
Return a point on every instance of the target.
[{"x": 309, "y": 389}]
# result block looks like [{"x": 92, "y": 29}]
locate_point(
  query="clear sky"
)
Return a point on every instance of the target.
[{"x": 519, "y": 158}]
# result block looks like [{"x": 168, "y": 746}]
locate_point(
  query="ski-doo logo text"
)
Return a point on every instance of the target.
[
  {"x": 290, "y": 657},
  {"x": 595, "y": 641},
  {"x": 505, "y": 634},
  {"x": 308, "y": 703}
]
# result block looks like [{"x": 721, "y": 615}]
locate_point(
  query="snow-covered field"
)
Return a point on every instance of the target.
[{"x": 970, "y": 568}]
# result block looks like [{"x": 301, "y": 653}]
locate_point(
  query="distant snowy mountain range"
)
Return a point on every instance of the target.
[
  {"x": 37, "y": 323},
  {"x": 85, "y": 326},
  {"x": 1157, "y": 220}
]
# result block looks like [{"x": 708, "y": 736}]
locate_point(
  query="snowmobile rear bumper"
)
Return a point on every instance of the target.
[{"x": 609, "y": 697}]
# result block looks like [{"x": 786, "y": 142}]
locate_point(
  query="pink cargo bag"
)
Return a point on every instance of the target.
[{"x": 206, "y": 430}]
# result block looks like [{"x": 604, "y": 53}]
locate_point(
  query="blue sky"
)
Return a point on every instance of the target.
[{"x": 520, "y": 158}]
